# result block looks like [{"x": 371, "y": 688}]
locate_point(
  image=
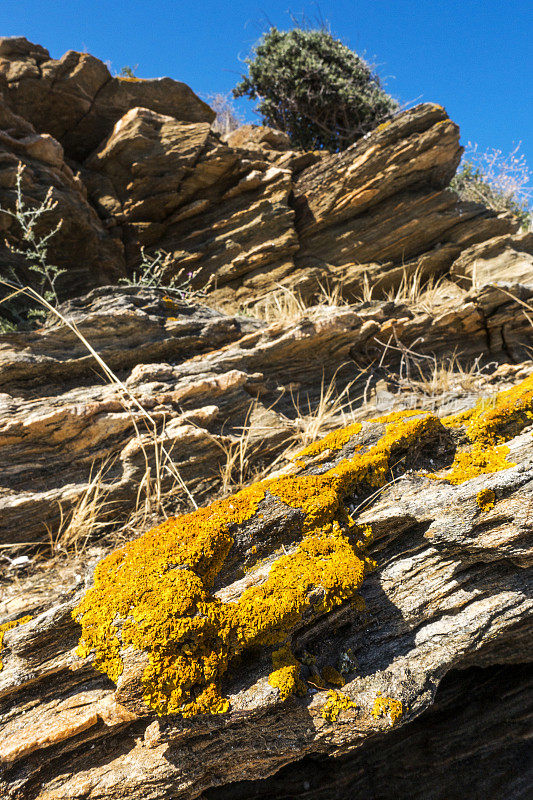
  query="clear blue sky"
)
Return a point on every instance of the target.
[{"x": 475, "y": 57}]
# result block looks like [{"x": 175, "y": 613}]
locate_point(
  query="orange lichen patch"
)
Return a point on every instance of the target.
[
  {"x": 396, "y": 416},
  {"x": 336, "y": 702},
  {"x": 130, "y": 78},
  {"x": 387, "y": 706},
  {"x": 485, "y": 499},
  {"x": 8, "y": 626},
  {"x": 457, "y": 420},
  {"x": 504, "y": 416},
  {"x": 478, "y": 461},
  {"x": 153, "y": 594},
  {"x": 488, "y": 425},
  {"x": 333, "y": 441},
  {"x": 319, "y": 496},
  {"x": 286, "y": 674},
  {"x": 331, "y": 675}
]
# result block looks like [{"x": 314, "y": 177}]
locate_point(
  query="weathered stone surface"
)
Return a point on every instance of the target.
[
  {"x": 437, "y": 756},
  {"x": 217, "y": 212},
  {"x": 81, "y": 246},
  {"x": 77, "y": 101},
  {"x": 452, "y": 590},
  {"x": 504, "y": 258},
  {"x": 384, "y": 202},
  {"x": 273, "y": 145},
  {"x": 197, "y": 373}
]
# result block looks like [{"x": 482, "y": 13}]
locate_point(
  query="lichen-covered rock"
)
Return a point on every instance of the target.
[
  {"x": 202, "y": 377},
  {"x": 449, "y": 589}
]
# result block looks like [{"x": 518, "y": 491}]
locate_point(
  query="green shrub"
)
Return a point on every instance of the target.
[{"x": 313, "y": 87}]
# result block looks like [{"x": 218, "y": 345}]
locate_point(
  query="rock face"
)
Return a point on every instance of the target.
[
  {"x": 197, "y": 375},
  {"x": 81, "y": 246},
  {"x": 77, "y": 101},
  {"x": 245, "y": 214},
  {"x": 451, "y": 590},
  {"x": 272, "y": 555}
]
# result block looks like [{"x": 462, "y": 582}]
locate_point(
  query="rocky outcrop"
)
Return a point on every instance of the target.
[
  {"x": 450, "y": 590},
  {"x": 382, "y": 208},
  {"x": 208, "y": 575},
  {"x": 77, "y": 101},
  {"x": 247, "y": 214}
]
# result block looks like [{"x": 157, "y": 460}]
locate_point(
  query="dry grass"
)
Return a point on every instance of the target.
[
  {"x": 334, "y": 409},
  {"x": 415, "y": 291},
  {"x": 85, "y": 519},
  {"x": 287, "y": 305},
  {"x": 91, "y": 505}
]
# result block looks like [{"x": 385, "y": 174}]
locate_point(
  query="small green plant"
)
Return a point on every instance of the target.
[
  {"x": 313, "y": 87},
  {"x": 129, "y": 72},
  {"x": 501, "y": 182},
  {"x": 33, "y": 248},
  {"x": 152, "y": 273}
]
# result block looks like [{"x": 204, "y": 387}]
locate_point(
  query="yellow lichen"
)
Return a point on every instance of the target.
[
  {"x": 286, "y": 674},
  {"x": 331, "y": 675},
  {"x": 488, "y": 425},
  {"x": 395, "y": 416},
  {"x": 478, "y": 460},
  {"x": 387, "y": 706},
  {"x": 153, "y": 594},
  {"x": 335, "y": 703},
  {"x": 485, "y": 499},
  {"x": 8, "y": 626},
  {"x": 333, "y": 441}
]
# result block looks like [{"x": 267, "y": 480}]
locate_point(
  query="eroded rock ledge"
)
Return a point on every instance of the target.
[{"x": 441, "y": 506}]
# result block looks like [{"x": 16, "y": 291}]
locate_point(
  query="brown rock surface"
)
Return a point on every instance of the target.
[
  {"x": 218, "y": 212},
  {"x": 249, "y": 217},
  {"x": 382, "y": 206},
  {"x": 452, "y": 590},
  {"x": 81, "y": 246},
  {"x": 504, "y": 258},
  {"x": 77, "y": 101},
  {"x": 195, "y": 374}
]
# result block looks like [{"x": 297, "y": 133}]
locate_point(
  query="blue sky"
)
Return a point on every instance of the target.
[{"x": 474, "y": 57}]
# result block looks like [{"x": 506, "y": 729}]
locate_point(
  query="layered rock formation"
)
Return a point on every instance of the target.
[
  {"x": 245, "y": 215},
  {"x": 355, "y": 620},
  {"x": 196, "y": 375}
]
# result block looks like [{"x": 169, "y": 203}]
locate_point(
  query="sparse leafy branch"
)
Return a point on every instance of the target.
[
  {"x": 35, "y": 245},
  {"x": 152, "y": 271},
  {"x": 501, "y": 182}
]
